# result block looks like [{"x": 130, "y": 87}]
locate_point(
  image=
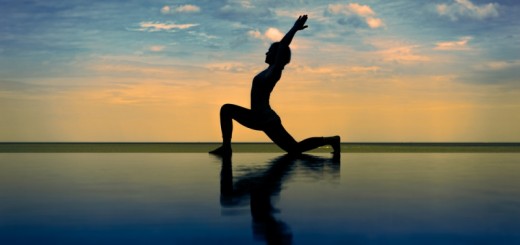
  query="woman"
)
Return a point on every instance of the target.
[{"x": 261, "y": 116}]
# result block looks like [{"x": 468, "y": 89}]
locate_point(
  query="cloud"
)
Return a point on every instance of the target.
[
  {"x": 245, "y": 12},
  {"x": 351, "y": 8},
  {"x": 337, "y": 70},
  {"x": 402, "y": 54},
  {"x": 461, "y": 44},
  {"x": 157, "y": 48},
  {"x": 398, "y": 51},
  {"x": 374, "y": 22},
  {"x": 238, "y": 5},
  {"x": 355, "y": 14},
  {"x": 460, "y": 9},
  {"x": 255, "y": 34},
  {"x": 500, "y": 65},
  {"x": 202, "y": 35},
  {"x": 165, "y": 9},
  {"x": 166, "y": 26},
  {"x": 271, "y": 34},
  {"x": 235, "y": 67},
  {"x": 187, "y": 8},
  {"x": 315, "y": 15}
]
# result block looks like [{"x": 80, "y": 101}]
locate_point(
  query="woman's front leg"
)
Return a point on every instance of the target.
[{"x": 228, "y": 112}]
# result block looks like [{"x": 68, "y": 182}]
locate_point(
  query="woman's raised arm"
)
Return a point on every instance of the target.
[
  {"x": 298, "y": 26},
  {"x": 281, "y": 57}
]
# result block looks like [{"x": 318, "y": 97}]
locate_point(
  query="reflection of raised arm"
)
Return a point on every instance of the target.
[{"x": 298, "y": 26}]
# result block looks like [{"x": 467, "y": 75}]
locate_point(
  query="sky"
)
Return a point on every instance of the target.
[{"x": 158, "y": 71}]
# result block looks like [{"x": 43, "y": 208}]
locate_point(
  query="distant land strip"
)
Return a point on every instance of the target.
[{"x": 143, "y": 147}]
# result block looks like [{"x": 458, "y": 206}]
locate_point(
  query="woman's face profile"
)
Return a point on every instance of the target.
[{"x": 270, "y": 55}]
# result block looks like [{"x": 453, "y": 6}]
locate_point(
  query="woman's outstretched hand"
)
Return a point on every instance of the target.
[{"x": 300, "y": 23}]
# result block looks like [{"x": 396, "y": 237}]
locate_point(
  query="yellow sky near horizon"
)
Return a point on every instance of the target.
[{"x": 162, "y": 104}]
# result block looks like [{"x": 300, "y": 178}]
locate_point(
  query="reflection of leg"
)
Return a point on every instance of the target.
[
  {"x": 265, "y": 226},
  {"x": 264, "y": 187},
  {"x": 226, "y": 182}
]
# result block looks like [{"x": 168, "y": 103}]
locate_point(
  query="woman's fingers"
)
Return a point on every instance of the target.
[{"x": 300, "y": 23}]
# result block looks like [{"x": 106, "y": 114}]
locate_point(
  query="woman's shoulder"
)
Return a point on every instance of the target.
[{"x": 268, "y": 76}]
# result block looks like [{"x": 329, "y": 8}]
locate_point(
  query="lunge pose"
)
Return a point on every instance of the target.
[{"x": 261, "y": 116}]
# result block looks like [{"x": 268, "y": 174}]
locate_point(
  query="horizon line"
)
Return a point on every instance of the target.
[{"x": 253, "y": 142}]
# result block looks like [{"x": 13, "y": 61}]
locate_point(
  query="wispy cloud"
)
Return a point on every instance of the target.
[
  {"x": 361, "y": 10},
  {"x": 398, "y": 51},
  {"x": 461, "y": 44},
  {"x": 403, "y": 54},
  {"x": 315, "y": 14},
  {"x": 355, "y": 13},
  {"x": 187, "y": 8},
  {"x": 336, "y": 70},
  {"x": 244, "y": 11},
  {"x": 460, "y": 9},
  {"x": 235, "y": 67},
  {"x": 499, "y": 65},
  {"x": 202, "y": 35},
  {"x": 162, "y": 26},
  {"x": 255, "y": 34},
  {"x": 156, "y": 48}
]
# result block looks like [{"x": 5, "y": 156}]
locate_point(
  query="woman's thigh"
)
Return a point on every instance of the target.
[{"x": 242, "y": 115}]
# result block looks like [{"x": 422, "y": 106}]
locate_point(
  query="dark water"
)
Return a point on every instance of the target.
[{"x": 258, "y": 198}]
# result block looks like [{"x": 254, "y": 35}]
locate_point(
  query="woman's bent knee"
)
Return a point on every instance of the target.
[{"x": 226, "y": 109}]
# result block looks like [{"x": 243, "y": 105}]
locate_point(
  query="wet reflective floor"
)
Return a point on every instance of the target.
[{"x": 259, "y": 198}]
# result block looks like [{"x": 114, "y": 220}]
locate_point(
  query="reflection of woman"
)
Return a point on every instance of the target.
[
  {"x": 261, "y": 116},
  {"x": 261, "y": 186},
  {"x": 258, "y": 188}
]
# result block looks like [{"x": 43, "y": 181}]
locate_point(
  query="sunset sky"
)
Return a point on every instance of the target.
[{"x": 370, "y": 71}]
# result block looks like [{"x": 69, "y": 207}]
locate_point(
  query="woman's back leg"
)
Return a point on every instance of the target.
[{"x": 284, "y": 140}]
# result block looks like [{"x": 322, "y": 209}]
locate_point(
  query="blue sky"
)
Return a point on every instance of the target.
[{"x": 63, "y": 61}]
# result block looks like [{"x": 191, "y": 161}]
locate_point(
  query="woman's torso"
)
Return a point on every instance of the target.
[{"x": 261, "y": 90}]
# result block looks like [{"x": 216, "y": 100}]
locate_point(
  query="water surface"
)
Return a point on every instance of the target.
[{"x": 258, "y": 198}]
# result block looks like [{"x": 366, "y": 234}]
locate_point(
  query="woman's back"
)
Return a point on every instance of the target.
[{"x": 261, "y": 89}]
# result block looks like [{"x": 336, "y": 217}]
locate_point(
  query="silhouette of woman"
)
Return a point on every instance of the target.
[{"x": 261, "y": 116}]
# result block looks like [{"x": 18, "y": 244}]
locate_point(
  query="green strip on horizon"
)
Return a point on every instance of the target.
[{"x": 254, "y": 147}]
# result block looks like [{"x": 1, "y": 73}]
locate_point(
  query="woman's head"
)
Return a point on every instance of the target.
[{"x": 272, "y": 54}]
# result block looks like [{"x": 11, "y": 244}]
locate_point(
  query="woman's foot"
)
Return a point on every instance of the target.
[
  {"x": 222, "y": 151},
  {"x": 335, "y": 142}
]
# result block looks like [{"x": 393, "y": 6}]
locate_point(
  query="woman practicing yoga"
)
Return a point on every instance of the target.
[{"x": 261, "y": 116}]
